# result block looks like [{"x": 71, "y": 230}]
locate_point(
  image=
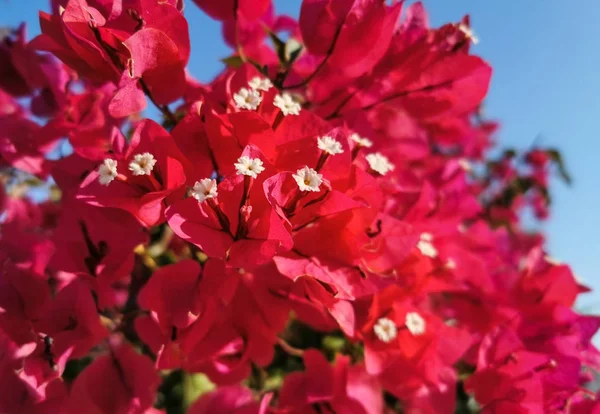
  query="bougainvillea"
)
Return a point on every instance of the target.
[{"x": 320, "y": 229}]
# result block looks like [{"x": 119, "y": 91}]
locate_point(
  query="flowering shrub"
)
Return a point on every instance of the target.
[{"x": 320, "y": 229}]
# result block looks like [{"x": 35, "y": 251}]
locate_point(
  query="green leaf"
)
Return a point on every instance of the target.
[
  {"x": 195, "y": 385},
  {"x": 233, "y": 61},
  {"x": 294, "y": 55},
  {"x": 510, "y": 153},
  {"x": 279, "y": 47},
  {"x": 556, "y": 157}
]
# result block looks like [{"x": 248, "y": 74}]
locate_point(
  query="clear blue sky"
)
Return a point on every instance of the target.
[{"x": 546, "y": 59}]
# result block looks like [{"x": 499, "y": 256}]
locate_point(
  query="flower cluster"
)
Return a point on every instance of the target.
[{"x": 320, "y": 229}]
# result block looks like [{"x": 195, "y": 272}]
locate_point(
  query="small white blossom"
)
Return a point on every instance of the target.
[
  {"x": 415, "y": 323},
  {"x": 249, "y": 166},
  {"x": 469, "y": 33},
  {"x": 142, "y": 164},
  {"x": 450, "y": 264},
  {"x": 247, "y": 99},
  {"x": 107, "y": 171},
  {"x": 205, "y": 189},
  {"x": 385, "y": 329},
  {"x": 360, "y": 141},
  {"x": 308, "y": 179},
  {"x": 329, "y": 145},
  {"x": 286, "y": 103},
  {"x": 380, "y": 163},
  {"x": 262, "y": 84},
  {"x": 426, "y": 246}
]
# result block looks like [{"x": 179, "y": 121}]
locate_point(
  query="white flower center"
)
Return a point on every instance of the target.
[
  {"x": 107, "y": 171},
  {"x": 379, "y": 163},
  {"x": 385, "y": 329},
  {"x": 249, "y": 166},
  {"x": 205, "y": 189},
  {"x": 426, "y": 246},
  {"x": 308, "y": 179},
  {"x": 329, "y": 145},
  {"x": 286, "y": 103},
  {"x": 259, "y": 83},
  {"x": 142, "y": 164},
  {"x": 415, "y": 323},
  {"x": 360, "y": 141},
  {"x": 247, "y": 99}
]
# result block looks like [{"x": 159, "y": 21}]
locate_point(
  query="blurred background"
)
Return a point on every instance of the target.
[{"x": 545, "y": 91}]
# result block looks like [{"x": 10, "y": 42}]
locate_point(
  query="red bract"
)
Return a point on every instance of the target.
[
  {"x": 322, "y": 228},
  {"x": 229, "y": 399},
  {"x": 320, "y": 23},
  {"x": 85, "y": 119},
  {"x": 120, "y": 382},
  {"x": 141, "y": 40},
  {"x": 25, "y": 73},
  {"x": 24, "y": 144},
  {"x": 338, "y": 388},
  {"x": 239, "y": 227},
  {"x": 224, "y": 10},
  {"x": 146, "y": 188}
]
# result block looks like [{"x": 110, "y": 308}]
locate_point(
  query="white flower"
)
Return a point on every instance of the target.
[
  {"x": 385, "y": 329},
  {"x": 249, "y": 166},
  {"x": 360, "y": 141},
  {"x": 415, "y": 323},
  {"x": 329, "y": 145},
  {"x": 287, "y": 105},
  {"x": 308, "y": 179},
  {"x": 142, "y": 164},
  {"x": 426, "y": 246},
  {"x": 380, "y": 163},
  {"x": 469, "y": 33},
  {"x": 261, "y": 84},
  {"x": 107, "y": 171},
  {"x": 247, "y": 99},
  {"x": 205, "y": 189}
]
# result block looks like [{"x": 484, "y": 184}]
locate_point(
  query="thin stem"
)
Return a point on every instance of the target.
[
  {"x": 341, "y": 105},
  {"x": 321, "y": 162},
  {"x": 238, "y": 47},
  {"x": 114, "y": 57},
  {"x": 402, "y": 94},
  {"x": 242, "y": 218},
  {"x": 322, "y": 63},
  {"x": 162, "y": 108},
  {"x": 223, "y": 219},
  {"x": 278, "y": 119},
  {"x": 289, "y": 349},
  {"x": 406, "y": 93}
]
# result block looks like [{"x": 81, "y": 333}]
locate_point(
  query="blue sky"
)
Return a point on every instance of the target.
[{"x": 546, "y": 83}]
